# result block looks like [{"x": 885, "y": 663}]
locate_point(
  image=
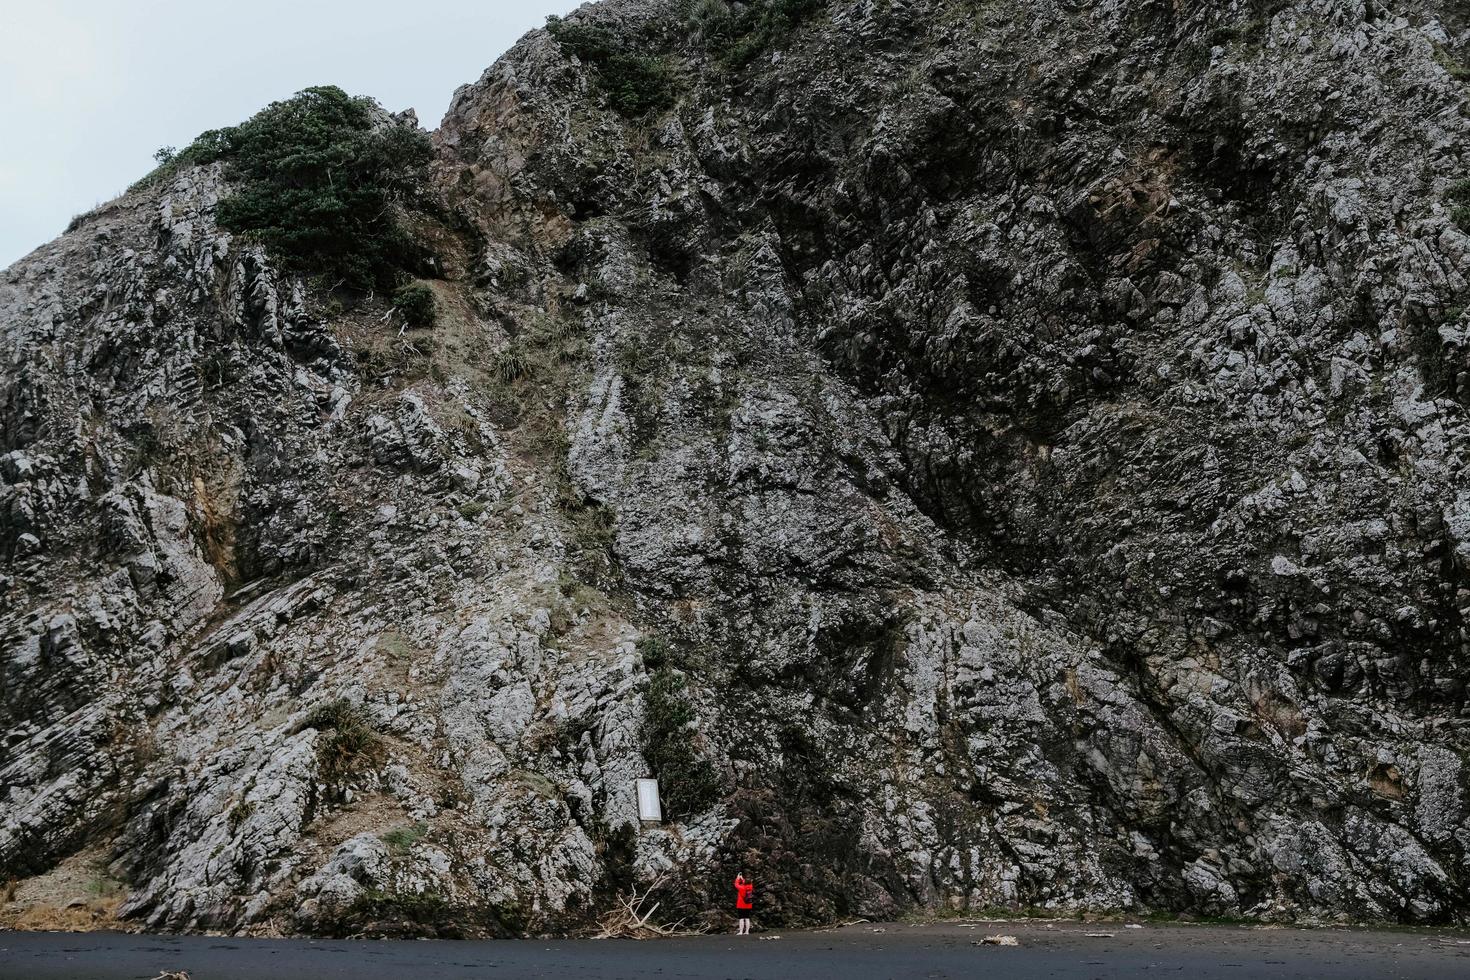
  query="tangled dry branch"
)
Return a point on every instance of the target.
[{"x": 630, "y": 920}]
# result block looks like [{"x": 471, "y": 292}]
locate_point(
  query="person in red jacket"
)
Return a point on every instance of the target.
[{"x": 744, "y": 903}]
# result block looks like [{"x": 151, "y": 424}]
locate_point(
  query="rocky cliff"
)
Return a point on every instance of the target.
[{"x": 975, "y": 452}]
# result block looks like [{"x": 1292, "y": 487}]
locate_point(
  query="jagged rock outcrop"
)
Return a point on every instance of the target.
[{"x": 978, "y": 453}]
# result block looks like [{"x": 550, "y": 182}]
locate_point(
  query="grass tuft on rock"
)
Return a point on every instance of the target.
[
  {"x": 402, "y": 839},
  {"x": 239, "y": 813},
  {"x": 348, "y": 746}
]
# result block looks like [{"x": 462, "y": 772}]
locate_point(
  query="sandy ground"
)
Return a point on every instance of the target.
[{"x": 1056, "y": 951}]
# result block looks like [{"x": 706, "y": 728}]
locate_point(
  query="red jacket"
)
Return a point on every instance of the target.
[{"x": 743, "y": 891}]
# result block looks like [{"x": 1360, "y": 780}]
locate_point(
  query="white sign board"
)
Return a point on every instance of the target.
[{"x": 649, "y": 808}]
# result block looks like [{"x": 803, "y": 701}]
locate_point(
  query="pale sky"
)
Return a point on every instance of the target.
[{"x": 90, "y": 88}]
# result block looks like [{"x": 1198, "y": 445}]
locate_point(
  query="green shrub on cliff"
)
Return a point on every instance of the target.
[
  {"x": 318, "y": 178},
  {"x": 737, "y": 35},
  {"x": 686, "y": 780},
  {"x": 415, "y": 300},
  {"x": 207, "y": 147},
  {"x": 1459, "y": 198},
  {"x": 636, "y": 83}
]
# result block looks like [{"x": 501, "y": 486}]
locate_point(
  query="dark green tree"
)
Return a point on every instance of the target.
[
  {"x": 321, "y": 179},
  {"x": 322, "y": 176}
]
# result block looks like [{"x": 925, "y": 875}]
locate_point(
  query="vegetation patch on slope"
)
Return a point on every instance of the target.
[
  {"x": 319, "y": 178},
  {"x": 348, "y": 744},
  {"x": 1459, "y": 198},
  {"x": 687, "y": 780},
  {"x": 737, "y": 33},
  {"x": 636, "y": 83}
]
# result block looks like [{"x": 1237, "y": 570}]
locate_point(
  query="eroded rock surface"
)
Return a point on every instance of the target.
[{"x": 979, "y": 453}]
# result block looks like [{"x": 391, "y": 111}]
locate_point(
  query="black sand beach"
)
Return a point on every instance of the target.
[{"x": 1056, "y": 951}]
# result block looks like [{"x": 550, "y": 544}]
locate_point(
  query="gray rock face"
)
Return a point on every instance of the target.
[{"x": 973, "y": 453}]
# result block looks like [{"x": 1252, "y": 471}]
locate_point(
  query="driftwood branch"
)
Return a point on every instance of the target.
[{"x": 629, "y": 920}]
